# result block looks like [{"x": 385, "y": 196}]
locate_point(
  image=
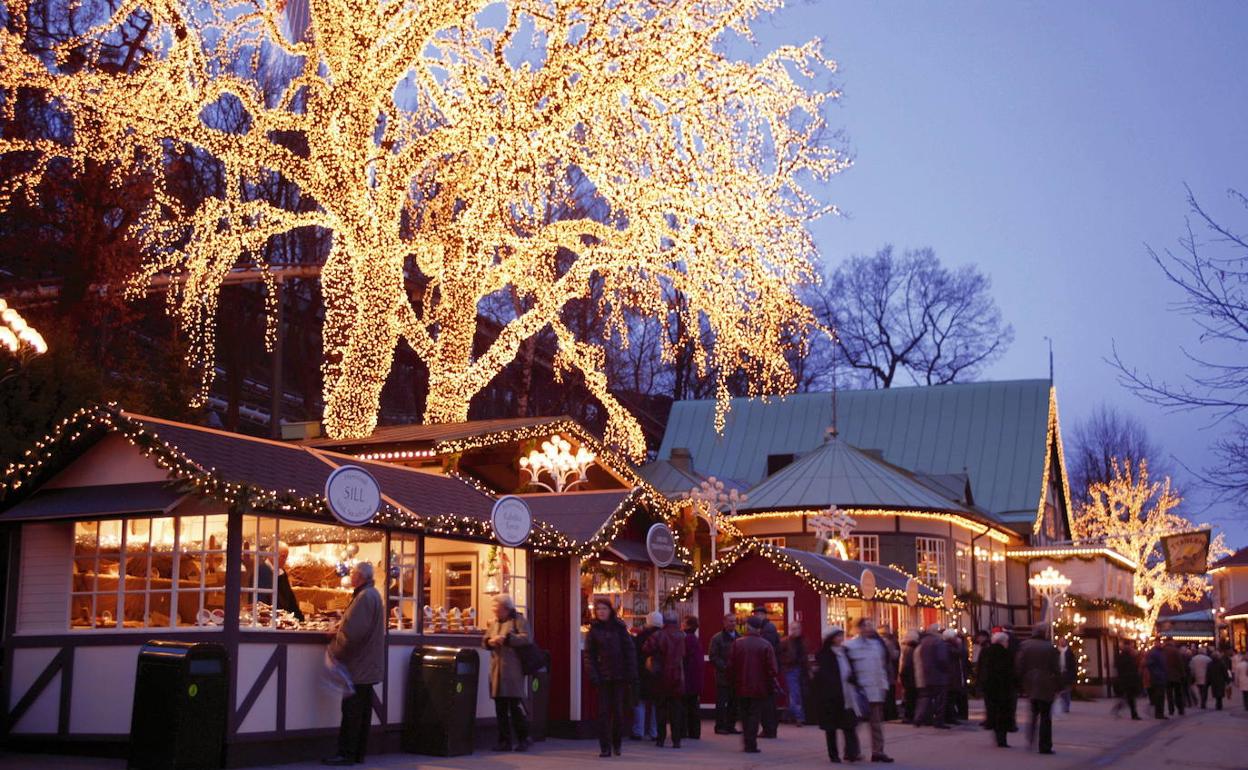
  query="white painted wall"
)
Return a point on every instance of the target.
[
  {"x": 263, "y": 714},
  {"x": 44, "y": 583},
  {"x": 112, "y": 460},
  {"x": 103, "y": 696}
]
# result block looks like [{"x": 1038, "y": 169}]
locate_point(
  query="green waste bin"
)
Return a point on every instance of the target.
[
  {"x": 181, "y": 696},
  {"x": 539, "y": 701},
  {"x": 441, "y": 714}
]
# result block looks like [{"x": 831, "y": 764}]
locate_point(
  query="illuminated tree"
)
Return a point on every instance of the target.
[
  {"x": 1131, "y": 514},
  {"x": 441, "y": 145}
]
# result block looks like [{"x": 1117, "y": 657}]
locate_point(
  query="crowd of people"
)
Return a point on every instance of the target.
[
  {"x": 654, "y": 693},
  {"x": 649, "y": 683}
]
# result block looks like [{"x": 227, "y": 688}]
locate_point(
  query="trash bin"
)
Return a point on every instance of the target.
[
  {"x": 441, "y": 714},
  {"x": 539, "y": 701},
  {"x": 180, "y": 705}
]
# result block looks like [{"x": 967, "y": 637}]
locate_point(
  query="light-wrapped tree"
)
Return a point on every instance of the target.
[
  {"x": 1131, "y": 513},
  {"x": 443, "y": 145}
]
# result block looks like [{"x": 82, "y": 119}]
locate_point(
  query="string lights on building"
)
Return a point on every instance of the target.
[
  {"x": 998, "y": 535},
  {"x": 447, "y": 173}
]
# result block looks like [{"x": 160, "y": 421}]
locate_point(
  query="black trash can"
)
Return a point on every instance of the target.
[
  {"x": 441, "y": 714},
  {"x": 180, "y": 706},
  {"x": 539, "y": 701}
]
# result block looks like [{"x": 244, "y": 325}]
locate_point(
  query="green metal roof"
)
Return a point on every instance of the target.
[
  {"x": 993, "y": 431},
  {"x": 836, "y": 473}
]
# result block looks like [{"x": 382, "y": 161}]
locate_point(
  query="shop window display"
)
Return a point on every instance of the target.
[
  {"x": 459, "y": 580},
  {"x": 296, "y": 574},
  {"x": 628, "y": 586},
  {"x": 149, "y": 573}
]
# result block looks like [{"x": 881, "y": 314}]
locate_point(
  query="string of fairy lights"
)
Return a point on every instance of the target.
[
  {"x": 782, "y": 560},
  {"x": 999, "y": 534},
  {"x": 1053, "y": 436},
  {"x": 89, "y": 422},
  {"x": 624, "y": 163}
]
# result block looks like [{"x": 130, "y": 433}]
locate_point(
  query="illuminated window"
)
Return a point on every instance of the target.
[
  {"x": 462, "y": 578},
  {"x": 929, "y": 555},
  {"x": 964, "y": 566},
  {"x": 778, "y": 542},
  {"x": 149, "y": 573},
  {"x": 864, "y": 548}
]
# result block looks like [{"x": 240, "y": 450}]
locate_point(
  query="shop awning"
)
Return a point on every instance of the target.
[{"x": 96, "y": 501}]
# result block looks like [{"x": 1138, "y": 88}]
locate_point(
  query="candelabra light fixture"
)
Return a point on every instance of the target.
[
  {"x": 1050, "y": 584},
  {"x": 16, "y": 334},
  {"x": 832, "y": 528},
  {"x": 714, "y": 499},
  {"x": 556, "y": 463}
]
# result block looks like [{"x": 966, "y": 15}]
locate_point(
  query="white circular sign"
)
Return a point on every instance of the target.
[
  {"x": 912, "y": 592},
  {"x": 661, "y": 545},
  {"x": 353, "y": 495},
  {"x": 866, "y": 585},
  {"x": 512, "y": 521}
]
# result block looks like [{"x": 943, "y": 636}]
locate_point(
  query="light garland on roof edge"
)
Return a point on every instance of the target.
[
  {"x": 247, "y": 498},
  {"x": 789, "y": 564},
  {"x": 997, "y": 534},
  {"x": 1053, "y": 435}
]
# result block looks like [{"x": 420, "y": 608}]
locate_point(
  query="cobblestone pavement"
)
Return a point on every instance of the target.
[{"x": 1089, "y": 737}]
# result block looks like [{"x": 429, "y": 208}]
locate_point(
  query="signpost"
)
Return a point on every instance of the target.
[
  {"x": 353, "y": 495},
  {"x": 1187, "y": 553},
  {"x": 512, "y": 521},
  {"x": 661, "y": 545}
]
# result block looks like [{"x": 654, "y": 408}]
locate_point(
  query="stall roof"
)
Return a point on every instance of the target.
[
  {"x": 284, "y": 476},
  {"x": 1237, "y": 559},
  {"x": 302, "y": 471},
  {"x": 96, "y": 501},
  {"x": 825, "y": 574},
  {"x": 579, "y": 515}
]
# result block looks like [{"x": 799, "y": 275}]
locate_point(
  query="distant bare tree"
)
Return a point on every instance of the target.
[
  {"x": 1106, "y": 436},
  {"x": 1212, "y": 273},
  {"x": 910, "y": 314}
]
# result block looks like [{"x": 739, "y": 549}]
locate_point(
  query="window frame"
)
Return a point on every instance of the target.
[
  {"x": 924, "y": 544},
  {"x": 861, "y": 548}
]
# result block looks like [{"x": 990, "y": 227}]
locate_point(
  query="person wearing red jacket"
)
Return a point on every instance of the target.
[
  {"x": 754, "y": 672},
  {"x": 667, "y": 652}
]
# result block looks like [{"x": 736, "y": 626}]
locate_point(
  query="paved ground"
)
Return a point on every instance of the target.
[{"x": 1087, "y": 738}]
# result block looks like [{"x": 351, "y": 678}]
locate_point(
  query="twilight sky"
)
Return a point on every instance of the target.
[{"x": 1047, "y": 143}]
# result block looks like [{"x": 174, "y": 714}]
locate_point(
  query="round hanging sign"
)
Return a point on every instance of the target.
[
  {"x": 353, "y": 495},
  {"x": 661, "y": 545},
  {"x": 949, "y": 597},
  {"x": 512, "y": 521},
  {"x": 912, "y": 592},
  {"x": 866, "y": 585}
]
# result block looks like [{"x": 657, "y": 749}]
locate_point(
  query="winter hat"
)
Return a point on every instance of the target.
[
  {"x": 835, "y": 630},
  {"x": 951, "y": 633},
  {"x": 755, "y": 623},
  {"x": 933, "y": 628},
  {"x": 654, "y": 619},
  {"x": 1001, "y": 638},
  {"x": 911, "y": 636}
]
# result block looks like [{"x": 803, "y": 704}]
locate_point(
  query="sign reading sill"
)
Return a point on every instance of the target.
[
  {"x": 661, "y": 545},
  {"x": 353, "y": 495},
  {"x": 512, "y": 521}
]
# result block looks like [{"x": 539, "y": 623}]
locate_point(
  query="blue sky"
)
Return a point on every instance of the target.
[{"x": 1047, "y": 143}]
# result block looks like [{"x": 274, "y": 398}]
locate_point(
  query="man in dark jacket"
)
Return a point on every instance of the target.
[
  {"x": 725, "y": 702},
  {"x": 1218, "y": 676},
  {"x": 1176, "y": 672},
  {"x": 995, "y": 677},
  {"x": 932, "y": 664},
  {"x": 667, "y": 651},
  {"x": 643, "y": 714},
  {"x": 613, "y": 672},
  {"x": 1038, "y": 671},
  {"x": 1127, "y": 669},
  {"x": 360, "y": 646},
  {"x": 693, "y": 680},
  {"x": 1155, "y": 666},
  {"x": 769, "y": 633},
  {"x": 754, "y": 671}
]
